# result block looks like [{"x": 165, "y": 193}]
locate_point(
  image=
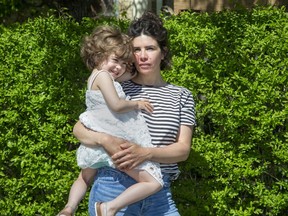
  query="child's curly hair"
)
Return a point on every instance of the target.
[{"x": 104, "y": 41}]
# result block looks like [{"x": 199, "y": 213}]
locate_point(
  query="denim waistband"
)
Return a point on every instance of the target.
[{"x": 117, "y": 174}]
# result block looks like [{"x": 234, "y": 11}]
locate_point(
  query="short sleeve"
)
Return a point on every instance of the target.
[{"x": 188, "y": 115}]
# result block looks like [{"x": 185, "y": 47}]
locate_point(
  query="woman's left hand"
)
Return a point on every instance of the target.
[{"x": 130, "y": 156}]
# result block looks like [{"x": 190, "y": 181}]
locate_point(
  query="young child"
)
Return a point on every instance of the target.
[{"x": 108, "y": 54}]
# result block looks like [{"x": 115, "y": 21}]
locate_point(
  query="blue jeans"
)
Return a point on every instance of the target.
[{"x": 109, "y": 183}]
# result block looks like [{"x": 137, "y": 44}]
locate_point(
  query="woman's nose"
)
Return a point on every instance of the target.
[{"x": 143, "y": 54}]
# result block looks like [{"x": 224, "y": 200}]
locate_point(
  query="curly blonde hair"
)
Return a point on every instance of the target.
[{"x": 104, "y": 41}]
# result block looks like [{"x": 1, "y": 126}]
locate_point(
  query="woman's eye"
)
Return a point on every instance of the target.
[{"x": 136, "y": 50}]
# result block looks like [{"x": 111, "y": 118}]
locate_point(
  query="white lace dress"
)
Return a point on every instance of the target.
[{"x": 130, "y": 126}]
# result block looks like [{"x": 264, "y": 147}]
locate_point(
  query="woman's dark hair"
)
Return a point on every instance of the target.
[{"x": 151, "y": 25}]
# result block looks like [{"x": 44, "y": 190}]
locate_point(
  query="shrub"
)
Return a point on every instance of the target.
[
  {"x": 42, "y": 93},
  {"x": 235, "y": 63}
]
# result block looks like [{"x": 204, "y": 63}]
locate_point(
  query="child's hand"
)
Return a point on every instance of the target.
[{"x": 145, "y": 105}]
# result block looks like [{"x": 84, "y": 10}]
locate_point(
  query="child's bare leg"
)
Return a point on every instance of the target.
[
  {"x": 146, "y": 186},
  {"x": 78, "y": 189}
]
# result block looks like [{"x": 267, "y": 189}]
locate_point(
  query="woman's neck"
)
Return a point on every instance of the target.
[{"x": 149, "y": 81}]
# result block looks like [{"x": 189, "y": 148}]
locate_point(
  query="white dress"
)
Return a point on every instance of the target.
[{"x": 129, "y": 126}]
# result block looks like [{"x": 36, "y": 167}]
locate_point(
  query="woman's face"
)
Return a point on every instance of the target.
[{"x": 148, "y": 54}]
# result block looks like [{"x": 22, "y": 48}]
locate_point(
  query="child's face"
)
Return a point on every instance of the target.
[
  {"x": 115, "y": 66},
  {"x": 126, "y": 76}
]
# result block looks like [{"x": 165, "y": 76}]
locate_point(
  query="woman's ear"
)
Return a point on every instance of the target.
[{"x": 164, "y": 53}]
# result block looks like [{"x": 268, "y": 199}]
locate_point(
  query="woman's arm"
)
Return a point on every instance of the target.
[
  {"x": 132, "y": 154},
  {"x": 92, "y": 138}
]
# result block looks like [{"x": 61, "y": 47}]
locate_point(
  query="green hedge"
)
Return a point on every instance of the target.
[
  {"x": 235, "y": 63},
  {"x": 42, "y": 81}
]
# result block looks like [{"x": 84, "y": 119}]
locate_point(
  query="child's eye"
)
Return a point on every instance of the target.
[{"x": 124, "y": 64}]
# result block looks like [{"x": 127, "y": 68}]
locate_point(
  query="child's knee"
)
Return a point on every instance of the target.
[{"x": 87, "y": 176}]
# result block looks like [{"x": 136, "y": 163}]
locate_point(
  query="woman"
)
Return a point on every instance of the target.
[{"x": 170, "y": 125}]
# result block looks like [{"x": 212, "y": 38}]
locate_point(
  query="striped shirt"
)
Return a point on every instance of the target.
[{"x": 173, "y": 106}]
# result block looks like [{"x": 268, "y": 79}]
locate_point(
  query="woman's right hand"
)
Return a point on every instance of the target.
[{"x": 130, "y": 156}]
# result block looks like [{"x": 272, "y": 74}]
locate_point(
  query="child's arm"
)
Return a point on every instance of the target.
[{"x": 104, "y": 83}]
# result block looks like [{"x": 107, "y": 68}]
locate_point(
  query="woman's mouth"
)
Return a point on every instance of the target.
[{"x": 144, "y": 66}]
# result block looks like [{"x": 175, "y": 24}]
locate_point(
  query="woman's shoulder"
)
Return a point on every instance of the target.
[
  {"x": 129, "y": 84},
  {"x": 179, "y": 88},
  {"x": 168, "y": 86}
]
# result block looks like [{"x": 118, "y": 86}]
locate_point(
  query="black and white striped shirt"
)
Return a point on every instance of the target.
[{"x": 173, "y": 106}]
